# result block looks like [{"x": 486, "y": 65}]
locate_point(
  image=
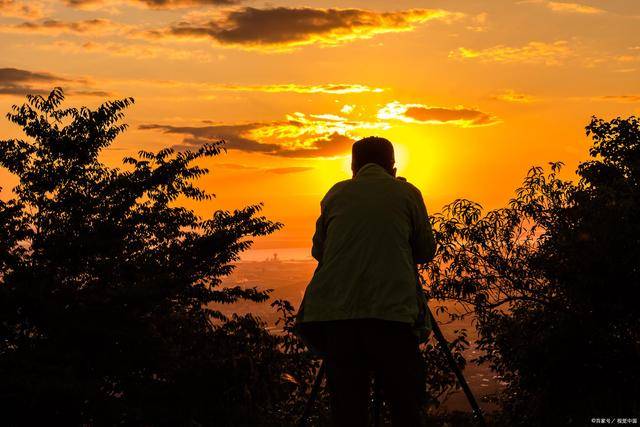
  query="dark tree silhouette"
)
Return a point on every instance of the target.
[
  {"x": 106, "y": 282},
  {"x": 553, "y": 280},
  {"x": 108, "y": 289}
]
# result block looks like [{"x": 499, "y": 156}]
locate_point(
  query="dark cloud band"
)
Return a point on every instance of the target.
[
  {"x": 309, "y": 142},
  {"x": 156, "y": 4},
  {"x": 15, "y": 81},
  {"x": 419, "y": 113},
  {"x": 288, "y": 27}
]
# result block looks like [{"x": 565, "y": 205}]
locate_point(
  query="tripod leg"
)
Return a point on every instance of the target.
[
  {"x": 377, "y": 402},
  {"x": 444, "y": 346},
  {"x": 302, "y": 422}
]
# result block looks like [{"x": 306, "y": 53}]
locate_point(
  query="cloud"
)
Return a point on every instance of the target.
[
  {"x": 331, "y": 88},
  {"x": 419, "y": 113},
  {"x": 531, "y": 53},
  {"x": 235, "y": 166},
  {"x": 566, "y": 7},
  {"x": 89, "y": 92},
  {"x": 279, "y": 171},
  {"x": 627, "y": 58},
  {"x": 282, "y": 28},
  {"x": 326, "y": 88},
  {"x": 56, "y": 27},
  {"x": 347, "y": 109},
  {"x": 13, "y": 75},
  {"x": 573, "y": 8},
  {"x": 515, "y": 97},
  {"x": 15, "y": 81},
  {"x": 233, "y": 135},
  {"x": 20, "y": 90},
  {"x": 129, "y": 50},
  {"x": 200, "y": 89},
  {"x": 292, "y": 169},
  {"x": 300, "y": 135},
  {"x": 22, "y": 9},
  {"x": 152, "y": 4},
  {"x": 622, "y": 98},
  {"x": 479, "y": 23}
]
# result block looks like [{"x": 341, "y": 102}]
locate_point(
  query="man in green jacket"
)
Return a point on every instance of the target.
[{"x": 364, "y": 303}]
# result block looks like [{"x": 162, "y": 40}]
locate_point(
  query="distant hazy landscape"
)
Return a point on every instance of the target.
[{"x": 287, "y": 273}]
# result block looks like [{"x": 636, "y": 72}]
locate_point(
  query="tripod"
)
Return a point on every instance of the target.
[{"x": 444, "y": 347}]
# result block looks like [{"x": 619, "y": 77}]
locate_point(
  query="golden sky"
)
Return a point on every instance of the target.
[{"x": 471, "y": 93}]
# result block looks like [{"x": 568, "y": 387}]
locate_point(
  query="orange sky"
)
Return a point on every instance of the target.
[{"x": 471, "y": 93}]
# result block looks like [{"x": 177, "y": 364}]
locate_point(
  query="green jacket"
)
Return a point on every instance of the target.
[{"x": 372, "y": 231}]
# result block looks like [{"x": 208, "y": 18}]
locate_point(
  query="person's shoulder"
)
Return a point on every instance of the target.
[
  {"x": 335, "y": 189},
  {"x": 408, "y": 188},
  {"x": 339, "y": 186}
]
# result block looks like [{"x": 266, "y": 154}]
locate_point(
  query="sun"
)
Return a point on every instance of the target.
[{"x": 402, "y": 156}]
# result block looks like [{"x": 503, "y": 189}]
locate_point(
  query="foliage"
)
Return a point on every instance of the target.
[
  {"x": 302, "y": 368},
  {"x": 108, "y": 289},
  {"x": 106, "y": 283},
  {"x": 440, "y": 380},
  {"x": 552, "y": 281}
]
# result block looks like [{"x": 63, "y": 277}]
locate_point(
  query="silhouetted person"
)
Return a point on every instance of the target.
[{"x": 362, "y": 305}]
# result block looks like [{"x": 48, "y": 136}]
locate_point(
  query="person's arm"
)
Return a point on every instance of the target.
[
  {"x": 319, "y": 236},
  {"x": 422, "y": 240}
]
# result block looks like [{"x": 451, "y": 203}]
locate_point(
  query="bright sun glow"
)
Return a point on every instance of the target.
[{"x": 402, "y": 157}]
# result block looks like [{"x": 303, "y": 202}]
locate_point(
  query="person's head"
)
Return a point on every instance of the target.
[{"x": 373, "y": 149}]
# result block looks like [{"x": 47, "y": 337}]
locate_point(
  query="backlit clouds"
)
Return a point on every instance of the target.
[
  {"x": 131, "y": 50},
  {"x": 300, "y": 135},
  {"x": 253, "y": 169},
  {"x": 200, "y": 89},
  {"x": 419, "y": 113},
  {"x": 573, "y": 8},
  {"x": 154, "y": 4},
  {"x": 347, "y": 109},
  {"x": 622, "y": 98},
  {"x": 515, "y": 97},
  {"x": 15, "y": 81},
  {"x": 15, "y": 75},
  {"x": 291, "y": 169},
  {"x": 479, "y": 23},
  {"x": 316, "y": 135},
  {"x": 55, "y": 27},
  {"x": 530, "y": 53},
  {"x": 331, "y": 88},
  {"x": 567, "y": 7},
  {"x": 285, "y": 27},
  {"x": 21, "y": 9}
]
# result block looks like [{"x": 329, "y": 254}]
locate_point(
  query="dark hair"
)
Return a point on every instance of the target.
[{"x": 372, "y": 149}]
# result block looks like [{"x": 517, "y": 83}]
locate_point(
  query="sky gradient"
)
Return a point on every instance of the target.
[{"x": 471, "y": 93}]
